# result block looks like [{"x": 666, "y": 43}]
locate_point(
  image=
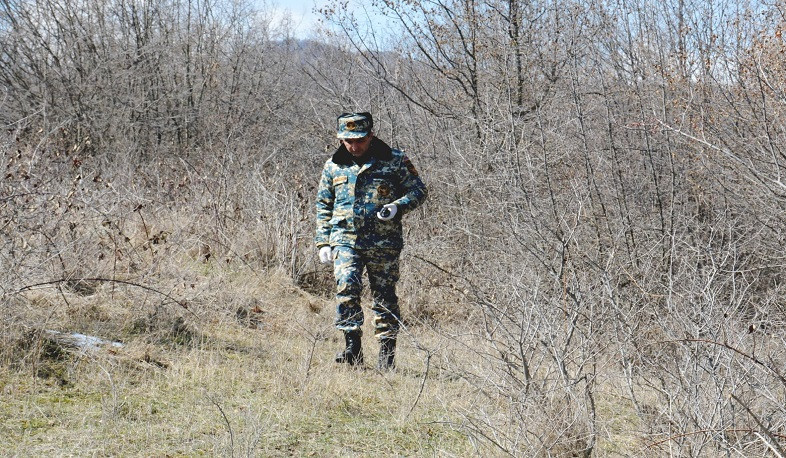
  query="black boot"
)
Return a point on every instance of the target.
[
  {"x": 353, "y": 353},
  {"x": 387, "y": 352}
]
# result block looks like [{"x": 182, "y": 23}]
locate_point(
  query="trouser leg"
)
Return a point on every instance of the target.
[
  {"x": 348, "y": 269},
  {"x": 382, "y": 267}
]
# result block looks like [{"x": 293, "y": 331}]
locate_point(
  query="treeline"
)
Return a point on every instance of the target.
[{"x": 607, "y": 201}]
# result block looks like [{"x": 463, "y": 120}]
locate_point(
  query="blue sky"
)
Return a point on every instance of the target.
[{"x": 301, "y": 11}]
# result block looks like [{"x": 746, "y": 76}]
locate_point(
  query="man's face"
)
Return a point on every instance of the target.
[{"x": 357, "y": 146}]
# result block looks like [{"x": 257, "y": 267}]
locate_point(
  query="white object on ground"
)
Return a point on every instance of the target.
[{"x": 82, "y": 341}]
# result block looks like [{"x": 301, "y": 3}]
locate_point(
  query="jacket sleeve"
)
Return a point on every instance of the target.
[
  {"x": 414, "y": 189},
  {"x": 325, "y": 200}
]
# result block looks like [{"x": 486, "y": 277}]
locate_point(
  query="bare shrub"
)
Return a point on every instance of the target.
[{"x": 606, "y": 210}]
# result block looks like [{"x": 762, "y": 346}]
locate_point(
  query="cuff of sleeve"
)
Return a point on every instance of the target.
[{"x": 402, "y": 205}]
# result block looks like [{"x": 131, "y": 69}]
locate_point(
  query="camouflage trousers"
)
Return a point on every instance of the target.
[{"x": 381, "y": 265}]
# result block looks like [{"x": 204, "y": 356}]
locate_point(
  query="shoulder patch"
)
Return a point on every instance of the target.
[{"x": 410, "y": 168}]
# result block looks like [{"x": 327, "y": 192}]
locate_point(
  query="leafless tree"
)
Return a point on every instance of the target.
[{"x": 607, "y": 193}]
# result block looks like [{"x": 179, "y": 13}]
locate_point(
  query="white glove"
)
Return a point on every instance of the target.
[
  {"x": 387, "y": 212},
  {"x": 325, "y": 254}
]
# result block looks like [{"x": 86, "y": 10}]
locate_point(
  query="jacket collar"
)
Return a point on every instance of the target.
[{"x": 378, "y": 149}]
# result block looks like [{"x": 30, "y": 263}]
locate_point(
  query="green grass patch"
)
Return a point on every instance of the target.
[{"x": 241, "y": 392}]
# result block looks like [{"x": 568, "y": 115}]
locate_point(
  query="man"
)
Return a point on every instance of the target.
[{"x": 365, "y": 189}]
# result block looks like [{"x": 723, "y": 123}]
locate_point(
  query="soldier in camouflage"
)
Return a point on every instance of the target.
[{"x": 366, "y": 187}]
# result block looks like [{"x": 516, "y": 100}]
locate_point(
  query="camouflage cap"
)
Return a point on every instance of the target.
[{"x": 354, "y": 125}]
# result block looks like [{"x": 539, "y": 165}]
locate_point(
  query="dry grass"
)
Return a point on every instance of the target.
[
  {"x": 258, "y": 383},
  {"x": 247, "y": 369},
  {"x": 222, "y": 358},
  {"x": 226, "y": 355}
]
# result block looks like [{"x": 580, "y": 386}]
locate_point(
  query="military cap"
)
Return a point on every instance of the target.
[{"x": 354, "y": 125}]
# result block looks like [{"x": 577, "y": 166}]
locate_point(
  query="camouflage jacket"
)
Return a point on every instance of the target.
[{"x": 350, "y": 196}]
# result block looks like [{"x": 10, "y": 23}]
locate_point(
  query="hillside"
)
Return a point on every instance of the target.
[{"x": 598, "y": 269}]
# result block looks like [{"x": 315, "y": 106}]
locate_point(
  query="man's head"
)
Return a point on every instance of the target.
[{"x": 355, "y": 132}]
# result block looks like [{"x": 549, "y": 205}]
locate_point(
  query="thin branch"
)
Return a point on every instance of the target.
[
  {"x": 422, "y": 384},
  {"x": 181, "y": 303},
  {"x": 229, "y": 425},
  {"x": 772, "y": 435},
  {"x": 739, "y": 352},
  {"x": 709, "y": 431}
]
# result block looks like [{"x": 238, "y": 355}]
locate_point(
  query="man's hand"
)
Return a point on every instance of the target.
[
  {"x": 387, "y": 212},
  {"x": 325, "y": 254}
]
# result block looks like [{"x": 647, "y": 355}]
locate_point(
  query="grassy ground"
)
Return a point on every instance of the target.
[
  {"x": 244, "y": 367},
  {"x": 242, "y": 385}
]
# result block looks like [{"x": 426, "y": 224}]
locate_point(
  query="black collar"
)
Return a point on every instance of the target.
[{"x": 378, "y": 149}]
